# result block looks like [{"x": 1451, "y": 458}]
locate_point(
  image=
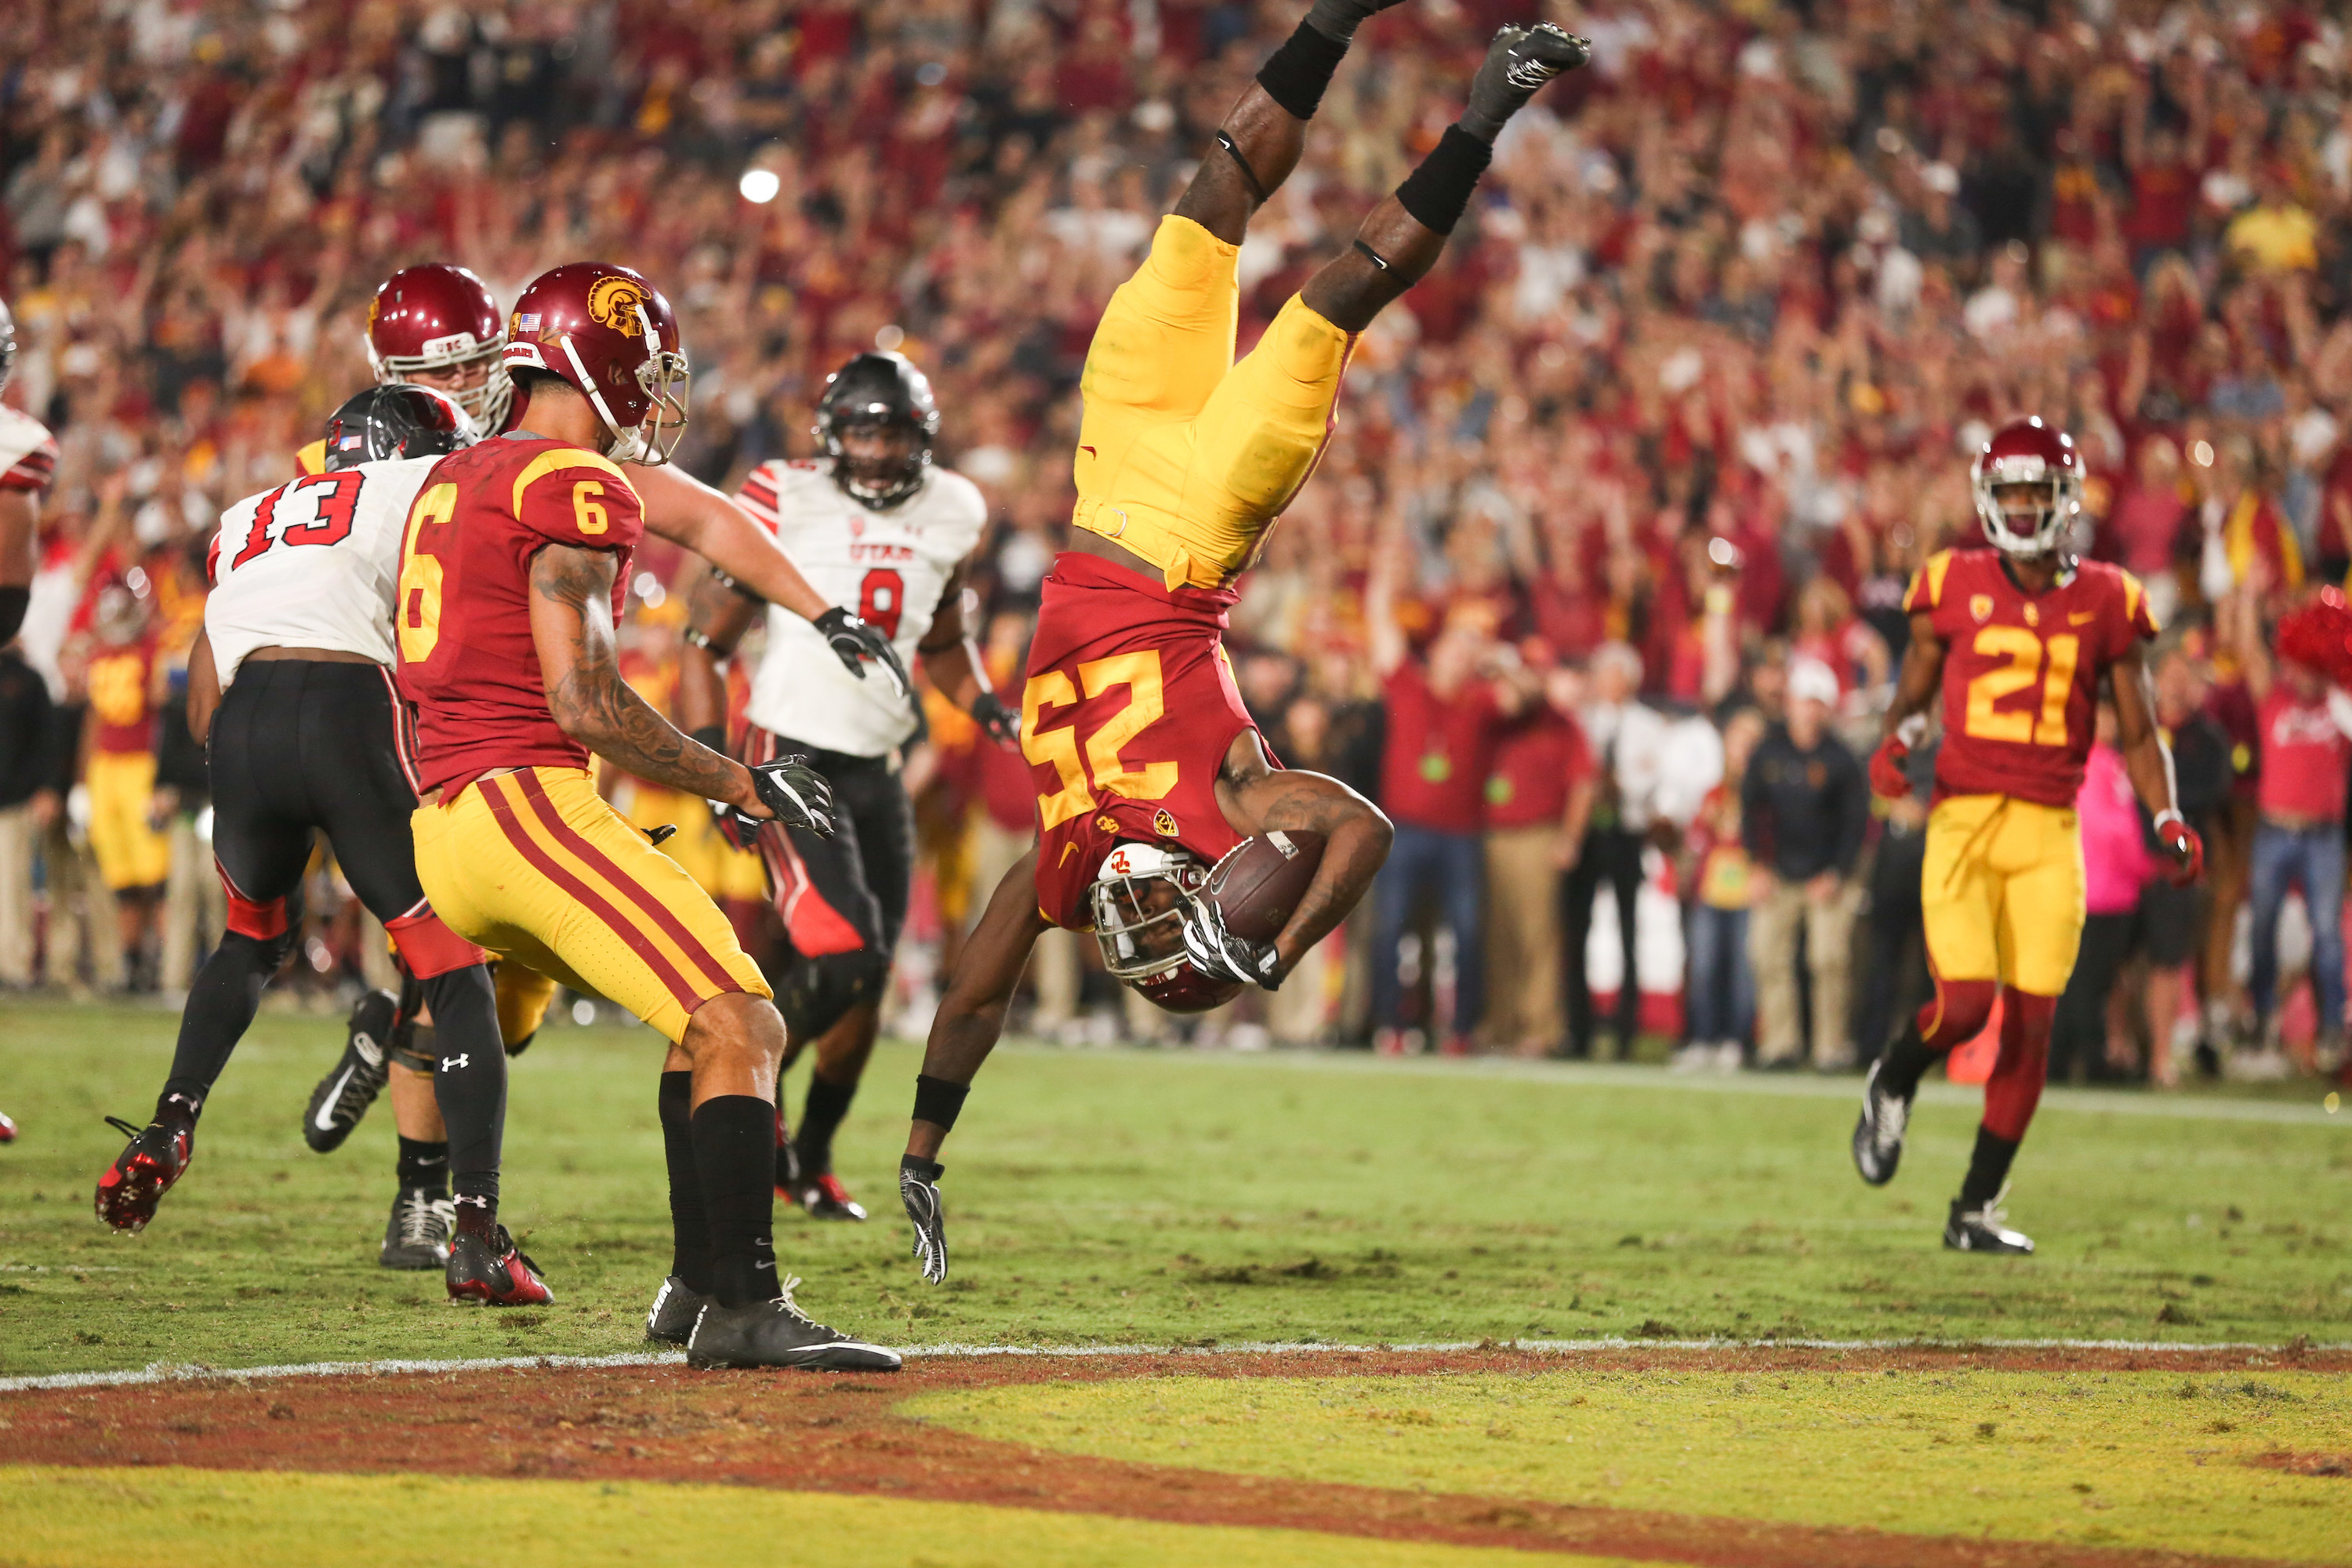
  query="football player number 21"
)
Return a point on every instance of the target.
[
  {"x": 2027, "y": 662},
  {"x": 418, "y": 617},
  {"x": 1095, "y": 765}
]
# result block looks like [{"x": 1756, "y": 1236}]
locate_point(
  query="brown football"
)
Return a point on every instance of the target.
[{"x": 1260, "y": 881}]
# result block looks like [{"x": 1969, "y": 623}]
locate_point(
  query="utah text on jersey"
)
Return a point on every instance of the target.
[{"x": 889, "y": 566}]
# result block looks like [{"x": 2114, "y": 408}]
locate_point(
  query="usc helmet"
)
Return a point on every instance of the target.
[
  {"x": 437, "y": 318},
  {"x": 2028, "y": 473},
  {"x": 608, "y": 333},
  {"x": 1141, "y": 897}
]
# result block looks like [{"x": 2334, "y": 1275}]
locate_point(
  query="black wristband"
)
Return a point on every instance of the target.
[
  {"x": 1295, "y": 75},
  {"x": 1438, "y": 191},
  {"x": 733, "y": 586},
  {"x": 711, "y": 735},
  {"x": 12, "y": 610},
  {"x": 921, "y": 1169},
  {"x": 938, "y": 1101}
]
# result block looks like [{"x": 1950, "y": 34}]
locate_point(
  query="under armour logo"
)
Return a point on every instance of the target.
[{"x": 456, "y": 1063}]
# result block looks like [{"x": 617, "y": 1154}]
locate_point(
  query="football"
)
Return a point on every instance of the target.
[{"x": 1260, "y": 879}]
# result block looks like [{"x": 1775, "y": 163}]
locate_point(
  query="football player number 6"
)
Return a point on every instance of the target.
[
  {"x": 418, "y": 618},
  {"x": 2025, "y": 655},
  {"x": 1102, "y": 768}
]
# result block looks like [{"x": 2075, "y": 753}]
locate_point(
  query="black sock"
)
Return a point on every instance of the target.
[
  {"x": 689, "y": 1230},
  {"x": 1988, "y": 1169},
  {"x": 1295, "y": 75},
  {"x": 1906, "y": 1061},
  {"x": 469, "y": 1083},
  {"x": 1438, "y": 191},
  {"x": 735, "y": 1159},
  {"x": 423, "y": 1164},
  {"x": 820, "y": 1113},
  {"x": 222, "y": 1001}
]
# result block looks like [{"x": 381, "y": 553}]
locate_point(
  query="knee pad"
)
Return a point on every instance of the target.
[
  {"x": 817, "y": 991},
  {"x": 1958, "y": 1013}
]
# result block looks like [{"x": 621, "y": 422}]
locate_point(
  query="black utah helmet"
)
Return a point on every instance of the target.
[
  {"x": 886, "y": 390},
  {"x": 399, "y": 420},
  {"x": 8, "y": 343}
]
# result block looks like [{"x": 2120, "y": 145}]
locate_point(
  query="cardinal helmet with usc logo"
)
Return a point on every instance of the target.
[
  {"x": 436, "y": 319},
  {"x": 2028, "y": 485},
  {"x": 608, "y": 333},
  {"x": 1140, "y": 900}
]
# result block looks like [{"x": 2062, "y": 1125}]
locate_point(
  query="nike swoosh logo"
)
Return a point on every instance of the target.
[
  {"x": 1089, "y": 451},
  {"x": 325, "y": 1120},
  {"x": 2081, "y": 617}
]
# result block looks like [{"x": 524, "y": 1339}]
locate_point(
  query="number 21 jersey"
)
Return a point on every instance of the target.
[{"x": 2021, "y": 672}]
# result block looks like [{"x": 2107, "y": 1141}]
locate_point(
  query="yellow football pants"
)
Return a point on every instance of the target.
[
  {"x": 131, "y": 853},
  {"x": 2002, "y": 893}
]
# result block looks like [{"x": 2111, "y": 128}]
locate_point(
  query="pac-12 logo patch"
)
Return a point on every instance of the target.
[
  {"x": 1163, "y": 823},
  {"x": 1980, "y": 607}
]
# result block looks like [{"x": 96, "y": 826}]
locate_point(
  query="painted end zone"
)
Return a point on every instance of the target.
[{"x": 1754, "y": 1456}]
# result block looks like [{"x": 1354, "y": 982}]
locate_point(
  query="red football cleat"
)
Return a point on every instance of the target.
[
  {"x": 491, "y": 1270},
  {"x": 7, "y": 1129},
  {"x": 825, "y": 1198},
  {"x": 156, "y": 1157}
]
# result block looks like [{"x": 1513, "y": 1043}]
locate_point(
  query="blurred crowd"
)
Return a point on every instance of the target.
[{"x": 1597, "y": 588}]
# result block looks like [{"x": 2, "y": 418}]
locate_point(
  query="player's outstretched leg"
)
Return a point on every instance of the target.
[
  {"x": 2011, "y": 1094},
  {"x": 1957, "y": 1012}
]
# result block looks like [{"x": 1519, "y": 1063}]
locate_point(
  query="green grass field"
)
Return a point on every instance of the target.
[{"x": 1166, "y": 1198}]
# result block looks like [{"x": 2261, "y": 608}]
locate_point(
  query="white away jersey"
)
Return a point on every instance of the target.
[
  {"x": 890, "y": 567},
  {"x": 313, "y": 564},
  {"x": 28, "y": 453}
]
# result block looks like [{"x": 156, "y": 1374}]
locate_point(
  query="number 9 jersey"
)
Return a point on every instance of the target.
[
  {"x": 462, "y": 620},
  {"x": 1126, "y": 717},
  {"x": 2022, "y": 673}
]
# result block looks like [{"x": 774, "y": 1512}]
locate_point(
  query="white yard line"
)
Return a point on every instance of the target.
[{"x": 161, "y": 1372}]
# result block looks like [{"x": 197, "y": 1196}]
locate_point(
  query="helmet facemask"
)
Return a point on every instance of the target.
[
  {"x": 2025, "y": 504},
  {"x": 485, "y": 403},
  {"x": 882, "y": 481},
  {"x": 1140, "y": 902}
]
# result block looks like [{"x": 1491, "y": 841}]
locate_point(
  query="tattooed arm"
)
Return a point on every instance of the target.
[
  {"x": 572, "y": 627},
  {"x": 1258, "y": 797}
]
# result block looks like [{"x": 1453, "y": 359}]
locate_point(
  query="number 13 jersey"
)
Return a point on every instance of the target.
[
  {"x": 2021, "y": 672},
  {"x": 889, "y": 567}
]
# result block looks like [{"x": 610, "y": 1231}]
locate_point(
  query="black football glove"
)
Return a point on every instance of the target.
[
  {"x": 919, "y": 1189},
  {"x": 796, "y": 793},
  {"x": 998, "y": 723},
  {"x": 741, "y": 830},
  {"x": 855, "y": 640},
  {"x": 1216, "y": 951}
]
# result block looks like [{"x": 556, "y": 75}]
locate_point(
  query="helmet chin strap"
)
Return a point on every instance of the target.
[{"x": 626, "y": 444}]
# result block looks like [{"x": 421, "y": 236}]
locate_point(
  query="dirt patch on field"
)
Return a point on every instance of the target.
[
  {"x": 2337, "y": 1465},
  {"x": 843, "y": 1434}
]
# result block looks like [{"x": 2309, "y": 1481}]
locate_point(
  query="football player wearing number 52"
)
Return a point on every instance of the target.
[
  {"x": 514, "y": 567},
  {"x": 2016, "y": 638},
  {"x": 1148, "y": 767}
]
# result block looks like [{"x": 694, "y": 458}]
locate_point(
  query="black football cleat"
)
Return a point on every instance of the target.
[
  {"x": 824, "y": 1197},
  {"x": 416, "y": 1236},
  {"x": 778, "y": 1333},
  {"x": 491, "y": 1270},
  {"x": 343, "y": 1096},
  {"x": 156, "y": 1157},
  {"x": 1981, "y": 1230},
  {"x": 1518, "y": 61},
  {"x": 670, "y": 1320},
  {"x": 1878, "y": 1131}
]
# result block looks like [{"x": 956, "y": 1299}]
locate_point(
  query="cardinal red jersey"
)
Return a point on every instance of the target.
[
  {"x": 1125, "y": 720},
  {"x": 2021, "y": 672},
  {"x": 463, "y": 619},
  {"x": 121, "y": 681}
]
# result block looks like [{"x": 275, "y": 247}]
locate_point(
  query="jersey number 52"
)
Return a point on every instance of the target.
[{"x": 1102, "y": 770}]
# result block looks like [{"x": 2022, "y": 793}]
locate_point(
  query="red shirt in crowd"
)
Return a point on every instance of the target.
[
  {"x": 1538, "y": 759},
  {"x": 2305, "y": 758},
  {"x": 1440, "y": 750}
]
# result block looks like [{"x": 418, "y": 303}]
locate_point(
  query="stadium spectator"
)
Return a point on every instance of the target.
[
  {"x": 1719, "y": 993},
  {"x": 1631, "y": 740},
  {"x": 1540, "y": 792},
  {"x": 2116, "y": 867},
  {"x": 1804, "y": 806}
]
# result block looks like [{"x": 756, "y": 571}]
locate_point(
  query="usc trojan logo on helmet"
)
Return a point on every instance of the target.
[{"x": 613, "y": 302}]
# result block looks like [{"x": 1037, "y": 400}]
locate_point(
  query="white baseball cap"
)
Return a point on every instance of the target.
[{"x": 1810, "y": 680}]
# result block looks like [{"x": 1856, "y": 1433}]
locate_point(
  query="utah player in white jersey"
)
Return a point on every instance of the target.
[
  {"x": 877, "y": 528},
  {"x": 28, "y": 461},
  {"x": 290, "y": 690}
]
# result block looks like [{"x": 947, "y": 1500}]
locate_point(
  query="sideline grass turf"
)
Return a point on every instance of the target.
[
  {"x": 1166, "y": 1198},
  {"x": 2143, "y": 1459},
  {"x": 228, "y": 1518}
]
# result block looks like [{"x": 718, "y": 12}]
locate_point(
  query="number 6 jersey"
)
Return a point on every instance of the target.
[
  {"x": 311, "y": 564},
  {"x": 889, "y": 566},
  {"x": 2022, "y": 673}
]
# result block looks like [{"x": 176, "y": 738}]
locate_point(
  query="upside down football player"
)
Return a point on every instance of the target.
[
  {"x": 2016, "y": 638},
  {"x": 436, "y": 326},
  {"x": 1148, "y": 768},
  {"x": 513, "y": 570}
]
